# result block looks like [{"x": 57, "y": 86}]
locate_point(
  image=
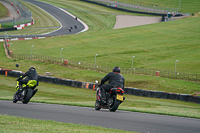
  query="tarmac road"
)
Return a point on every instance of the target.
[
  {"x": 124, "y": 120},
  {"x": 65, "y": 19}
]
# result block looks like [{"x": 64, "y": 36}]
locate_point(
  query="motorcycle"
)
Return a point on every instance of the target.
[
  {"x": 113, "y": 99},
  {"x": 26, "y": 93}
]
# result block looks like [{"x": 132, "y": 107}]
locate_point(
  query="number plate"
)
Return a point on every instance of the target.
[{"x": 119, "y": 97}]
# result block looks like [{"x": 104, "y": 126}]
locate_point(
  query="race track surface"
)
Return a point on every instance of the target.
[
  {"x": 124, "y": 120},
  {"x": 65, "y": 19}
]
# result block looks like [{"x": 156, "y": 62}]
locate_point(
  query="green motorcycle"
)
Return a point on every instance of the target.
[{"x": 26, "y": 93}]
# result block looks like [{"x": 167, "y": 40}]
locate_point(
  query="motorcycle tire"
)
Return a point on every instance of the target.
[
  {"x": 97, "y": 105},
  {"x": 14, "y": 99},
  {"x": 28, "y": 96},
  {"x": 113, "y": 107}
]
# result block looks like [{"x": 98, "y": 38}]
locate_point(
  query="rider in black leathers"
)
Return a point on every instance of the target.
[
  {"x": 31, "y": 74},
  {"x": 115, "y": 80}
]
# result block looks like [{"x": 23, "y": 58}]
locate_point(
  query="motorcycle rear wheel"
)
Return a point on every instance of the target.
[
  {"x": 97, "y": 105},
  {"x": 113, "y": 107},
  {"x": 29, "y": 93}
]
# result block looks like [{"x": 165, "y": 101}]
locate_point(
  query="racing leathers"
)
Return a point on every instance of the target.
[
  {"x": 31, "y": 74},
  {"x": 115, "y": 80}
]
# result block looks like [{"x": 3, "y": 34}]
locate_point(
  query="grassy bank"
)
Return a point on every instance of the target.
[
  {"x": 169, "y": 41},
  {"x": 186, "y": 6},
  {"x": 3, "y": 11},
  {"x": 136, "y": 81},
  {"x": 155, "y": 46},
  {"x": 13, "y": 124},
  {"x": 58, "y": 94}
]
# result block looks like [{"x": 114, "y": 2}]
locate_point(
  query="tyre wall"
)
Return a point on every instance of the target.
[{"x": 93, "y": 86}]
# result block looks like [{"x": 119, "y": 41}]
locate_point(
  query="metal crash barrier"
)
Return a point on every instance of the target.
[{"x": 93, "y": 86}]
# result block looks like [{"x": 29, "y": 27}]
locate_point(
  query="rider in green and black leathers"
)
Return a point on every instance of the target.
[
  {"x": 115, "y": 80},
  {"x": 31, "y": 74}
]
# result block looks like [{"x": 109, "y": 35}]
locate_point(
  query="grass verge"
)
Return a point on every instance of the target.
[
  {"x": 184, "y": 5},
  {"x": 14, "y": 124},
  {"x": 3, "y": 11}
]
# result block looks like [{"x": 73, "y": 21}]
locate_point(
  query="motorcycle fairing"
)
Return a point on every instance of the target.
[{"x": 31, "y": 83}]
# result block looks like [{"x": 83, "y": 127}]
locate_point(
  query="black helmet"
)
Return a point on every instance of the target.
[
  {"x": 116, "y": 69},
  {"x": 32, "y": 68}
]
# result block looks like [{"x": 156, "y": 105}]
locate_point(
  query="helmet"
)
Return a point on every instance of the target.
[
  {"x": 32, "y": 68},
  {"x": 116, "y": 69}
]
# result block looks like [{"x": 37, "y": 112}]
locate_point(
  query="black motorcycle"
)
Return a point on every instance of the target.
[
  {"x": 26, "y": 93},
  {"x": 113, "y": 99}
]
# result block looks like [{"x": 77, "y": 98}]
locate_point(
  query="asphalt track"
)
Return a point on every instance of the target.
[
  {"x": 64, "y": 18},
  {"x": 124, "y": 120}
]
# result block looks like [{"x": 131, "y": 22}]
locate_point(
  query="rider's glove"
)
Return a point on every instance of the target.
[{"x": 18, "y": 79}]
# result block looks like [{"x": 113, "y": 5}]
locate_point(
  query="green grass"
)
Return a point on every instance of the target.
[
  {"x": 58, "y": 94},
  {"x": 135, "y": 81},
  {"x": 155, "y": 46},
  {"x": 14, "y": 124},
  {"x": 3, "y": 11},
  {"x": 169, "y": 41},
  {"x": 187, "y": 6}
]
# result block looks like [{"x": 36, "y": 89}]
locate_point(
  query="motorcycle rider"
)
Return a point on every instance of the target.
[
  {"x": 115, "y": 80},
  {"x": 31, "y": 74}
]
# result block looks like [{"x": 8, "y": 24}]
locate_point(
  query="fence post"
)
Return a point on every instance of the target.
[
  {"x": 172, "y": 73},
  {"x": 196, "y": 77}
]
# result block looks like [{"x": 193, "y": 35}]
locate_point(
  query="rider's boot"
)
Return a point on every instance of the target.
[{"x": 103, "y": 93}]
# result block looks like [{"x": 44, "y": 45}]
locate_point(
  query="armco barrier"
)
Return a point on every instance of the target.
[
  {"x": 14, "y": 74},
  {"x": 162, "y": 95},
  {"x": 93, "y": 86}
]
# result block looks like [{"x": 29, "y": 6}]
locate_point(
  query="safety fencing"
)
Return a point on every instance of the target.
[
  {"x": 140, "y": 8},
  {"x": 124, "y": 70},
  {"x": 90, "y": 66},
  {"x": 25, "y": 14},
  {"x": 93, "y": 86}
]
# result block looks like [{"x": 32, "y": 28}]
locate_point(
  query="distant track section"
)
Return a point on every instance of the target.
[{"x": 69, "y": 23}]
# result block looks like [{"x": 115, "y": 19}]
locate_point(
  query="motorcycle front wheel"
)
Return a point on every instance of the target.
[
  {"x": 97, "y": 105},
  {"x": 27, "y": 97},
  {"x": 114, "y": 103},
  {"x": 14, "y": 99}
]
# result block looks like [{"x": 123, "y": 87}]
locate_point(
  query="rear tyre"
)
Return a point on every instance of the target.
[
  {"x": 114, "y": 104},
  {"x": 34, "y": 92},
  {"x": 97, "y": 105},
  {"x": 28, "y": 96}
]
